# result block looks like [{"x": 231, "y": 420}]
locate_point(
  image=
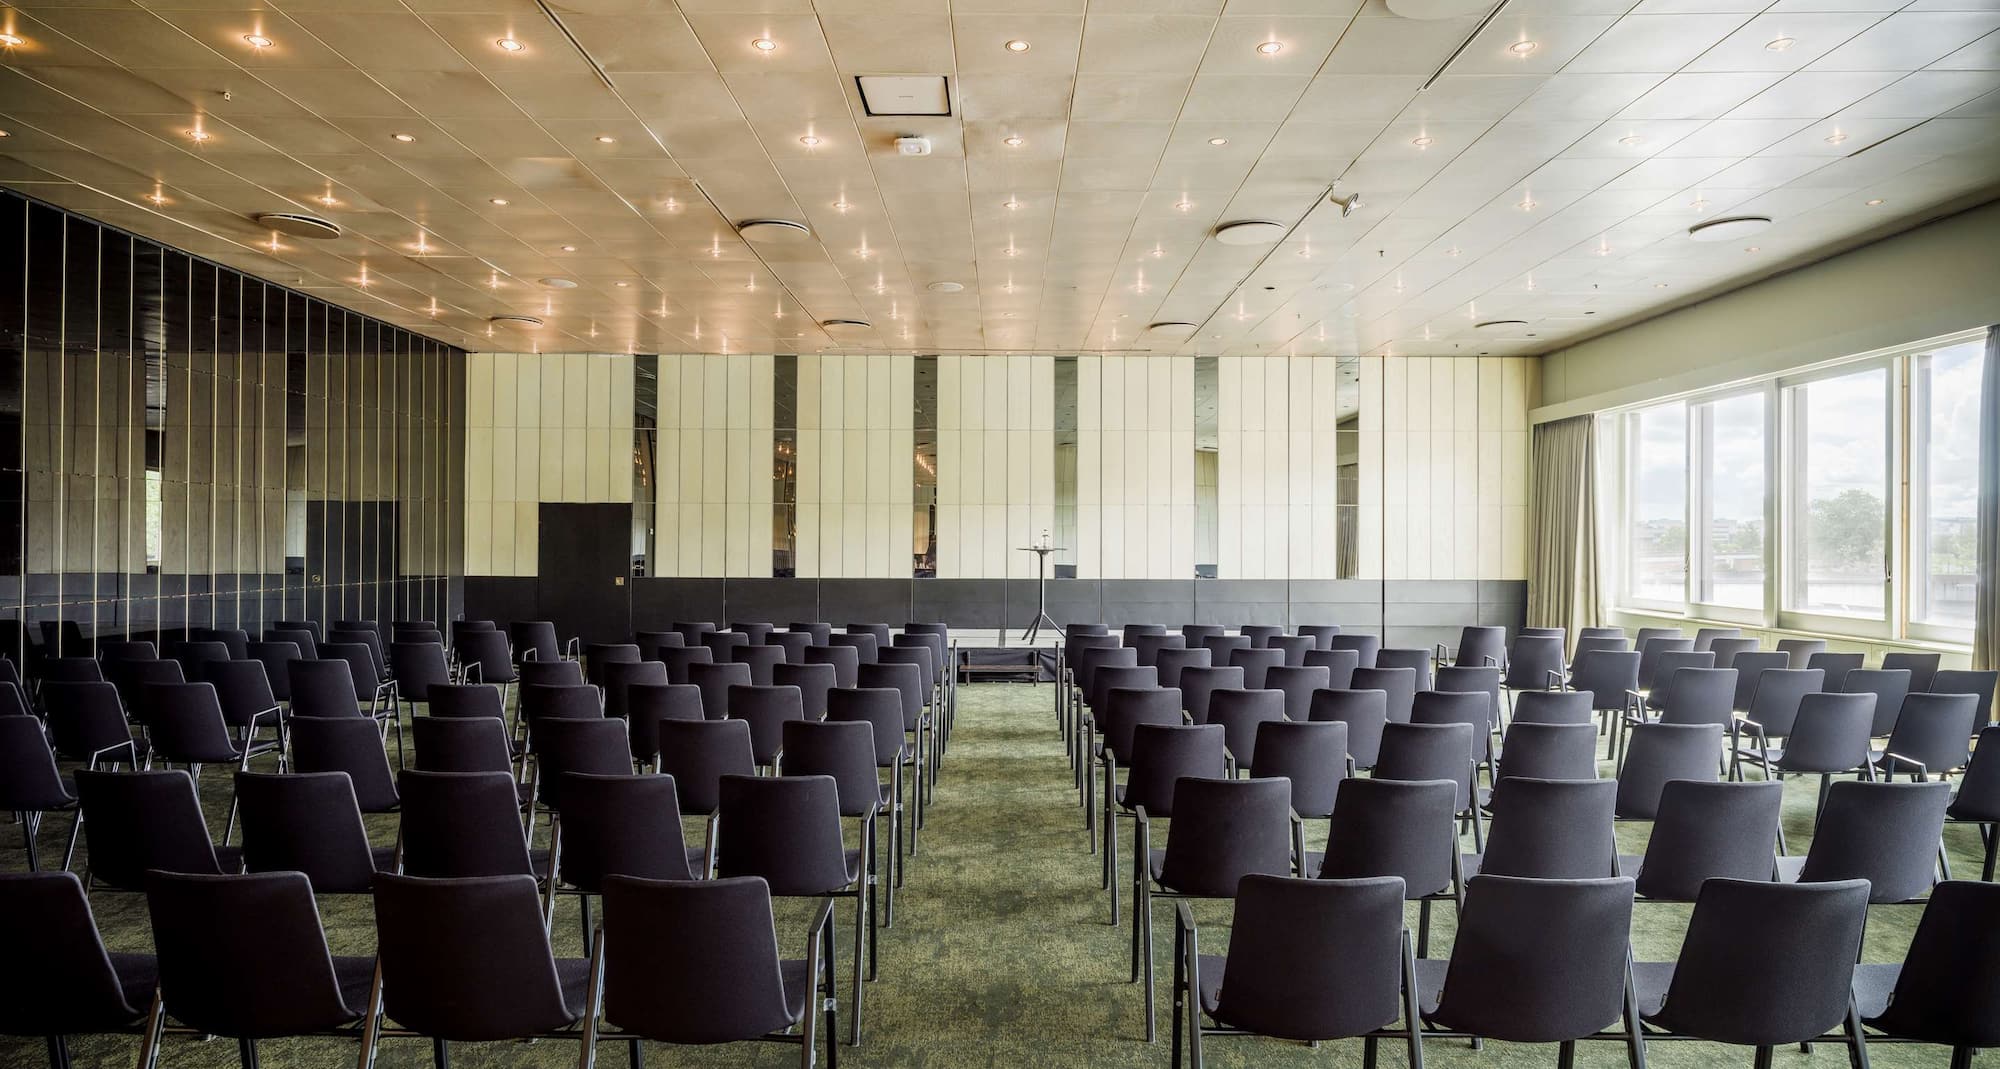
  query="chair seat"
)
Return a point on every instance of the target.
[
  {"x": 356, "y": 977},
  {"x": 573, "y": 975},
  {"x": 1470, "y": 863},
  {"x": 1873, "y": 986},
  {"x": 887, "y": 793},
  {"x": 1650, "y": 981},
  {"x": 138, "y": 975},
  {"x": 800, "y": 985},
  {"x": 383, "y": 857},
  {"x": 229, "y": 859},
  {"x": 1430, "y": 985},
  {"x": 1790, "y": 867},
  {"x": 1211, "y": 983},
  {"x": 1970, "y": 812},
  {"x": 538, "y": 863},
  {"x": 1629, "y": 865}
]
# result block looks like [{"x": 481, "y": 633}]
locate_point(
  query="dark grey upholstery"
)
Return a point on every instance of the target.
[{"x": 1363, "y": 711}]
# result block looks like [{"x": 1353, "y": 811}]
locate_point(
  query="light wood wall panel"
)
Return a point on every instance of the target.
[
  {"x": 996, "y": 463},
  {"x": 857, "y": 464}
]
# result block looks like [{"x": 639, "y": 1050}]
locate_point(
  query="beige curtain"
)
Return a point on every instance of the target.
[
  {"x": 1986, "y": 604},
  {"x": 1562, "y": 545}
]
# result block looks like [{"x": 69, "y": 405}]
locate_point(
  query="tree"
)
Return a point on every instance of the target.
[{"x": 1845, "y": 531}]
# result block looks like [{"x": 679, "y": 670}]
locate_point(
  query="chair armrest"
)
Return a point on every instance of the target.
[
  {"x": 709, "y": 831},
  {"x": 1184, "y": 916},
  {"x": 1553, "y": 678},
  {"x": 571, "y": 647},
  {"x": 821, "y": 917},
  {"x": 1439, "y": 653},
  {"x": 1490, "y": 661},
  {"x": 1923, "y": 774},
  {"x": 474, "y": 672},
  {"x": 1229, "y": 764}
]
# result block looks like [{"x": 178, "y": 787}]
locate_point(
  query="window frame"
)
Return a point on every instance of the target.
[
  {"x": 1701, "y": 450},
  {"x": 1916, "y": 557},
  {"x": 1628, "y": 464},
  {"x": 1792, "y": 551}
]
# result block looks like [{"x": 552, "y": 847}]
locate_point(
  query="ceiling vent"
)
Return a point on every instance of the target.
[
  {"x": 772, "y": 231},
  {"x": 945, "y": 287},
  {"x": 904, "y": 94},
  {"x": 525, "y": 322},
  {"x": 559, "y": 283},
  {"x": 1250, "y": 232},
  {"x": 298, "y": 224},
  {"x": 845, "y": 328},
  {"x": 1173, "y": 329},
  {"x": 1500, "y": 324},
  {"x": 1729, "y": 229}
]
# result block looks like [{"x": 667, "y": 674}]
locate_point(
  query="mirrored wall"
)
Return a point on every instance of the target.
[{"x": 186, "y": 447}]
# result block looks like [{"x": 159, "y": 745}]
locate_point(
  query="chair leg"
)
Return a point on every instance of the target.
[
  {"x": 583, "y": 917},
  {"x": 1986, "y": 831},
  {"x": 1857, "y": 1039},
  {"x": 440, "y": 1054},
  {"x": 1424, "y": 928},
  {"x": 1566, "y": 1055},
  {"x": 30, "y": 824},
  {"x": 1111, "y": 860},
  {"x": 58, "y": 1052},
  {"x": 831, "y": 1003},
  {"x": 874, "y": 879},
  {"x": 1763, "y": 1058},
  {"x": 76, "y": 828},
  {"x": 861, "y": 926},
  {"x": 246, "y": 1052},
  {"x": 638, "y": 1054}
]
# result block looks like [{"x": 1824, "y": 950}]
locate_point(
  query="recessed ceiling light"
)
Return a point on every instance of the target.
[
  {"x": 199, "y": 135},
  {"x": 569, "y": 248},
  {"x": 1659, "y": 285},
  {"x": 1631, "y": 139},
  {"x": 1218, "y": 141},
  {"x": 1752, "y": 248},
  {"x": 258, "y": 40},
  {"x": 1779, "y": 44},
  {"x": 1452, "y": 252},
  {"x": 1425, "y": 141},
  {"x": 1835, "y": 137},
  {"x": 499, "y": 202},
  {"x": 1527, "y": 204},
  {"x": 4, "y": 133},
  {"x": 1699, "y": 204},
  {"x": 1183, "y": 204},
  {"x": 1018, "y": 45},
  {"x": 12, "y": 40},
  {"x": 157, "y": 197},
  {"x": 1011, "y": 205},
  {"x": 404, "y": 138},
  {"x": 841, "y": 205},
  {"x": 606, "y": 139},
  {"x": 764, "y": 44},
  {"x": 1522, "y": 48},
  {"x": 622, "y": 285},
  {"x": 1015, "y": 141},
  {"x": 556, "y": 283},
  {"x": 809, "y": 141},
  {"x": 945, "y": 287},
  {"x": 1270, "y": 48},
  {"x": 1876, "y": 203},
  {"x": 1250, "y": 232},
  {"x": 508, "y": 44}
]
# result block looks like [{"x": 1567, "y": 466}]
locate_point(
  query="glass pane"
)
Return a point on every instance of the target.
[
  {"x": 645, "y": 456},
  {"x": 1656, "y": 559},
  {"x": 924, "y": 469},
  {"x": 1840, "y": 511},
  {"x": 1947, "y": 491},
  {"x": 785, "y": 466},
  {"x": 1207, "y": 468},
  {"x": 1065, "y": 535},
  {"x": 1732, "y": 526}
]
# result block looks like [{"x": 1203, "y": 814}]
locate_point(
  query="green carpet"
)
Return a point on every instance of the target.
[{"x": 1000, "y": 955}]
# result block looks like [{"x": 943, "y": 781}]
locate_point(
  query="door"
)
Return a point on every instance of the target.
[{"x": 585, "y": 555}]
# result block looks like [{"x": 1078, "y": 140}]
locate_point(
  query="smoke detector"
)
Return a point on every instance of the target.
[{"x": 913, "y": 146}]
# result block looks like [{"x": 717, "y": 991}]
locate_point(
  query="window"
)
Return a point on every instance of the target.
[
  {"x": 1944, "y": 485},
  {"x": 1839, "y": 505},
  {"x": 1656, "y": 510},
  {"x": 1730, "y": 520}
]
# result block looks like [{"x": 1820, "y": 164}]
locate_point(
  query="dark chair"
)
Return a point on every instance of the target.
[
  {"x": 794, "y": 644},
  {"x": 245, "y": 957},
  {"x": 880, "y": 632},
  {"x": 716, "y": 682},
  {"x": 551, "y": 674},
  {"x": 1836, "y": 666},
  {"x": 697, "y": 962},
  {"x": 1750, "y": 667},
  {"x": 761, "y": 660},
  {"x": 468, "y": 960},
  {"x": 1309, "y": 960},
  {"x": 1551, "y": 829},
  {"x": 1148, "y": 647},
  {"x": 1889, "y": 685},
  {"x": 464, "y": 744},
  {"x": 1221, "y": 831},
  {"x": 619, "y": 677},
  {"x": 1402, "y": 828},
  {"x": 1829, "y": 738},
  {"x": 907, "y": 680},
  {"x": 194, "y": 655},
  {"x": 1800, "y": 650},
  {"x": 691, "y": 632},
  {"x": 814, "y": 682},
  {"x": 1470, "y": 708},
  {"x": 461, "y": 628},
  {"x": 647, "y": 704},
  {"x": 1665, "y": 667},
  {"x": 820, "y": 632},
  {"x": 458, "y": 700},
  {"x": 1726, "y": 649},
  {"x": 1946, "y": 990},
  {"x": 63, "y": 981},
  {"x": 1932, "y": 736},
  {"x": 1772, "y": 712},
  {"x": 135, "y": 679},
  {"x": 1552, "y": 707},
  {"x": 1608, "y": 676},
  {"x": 882, "y": 710},
  {"x": 1319, "y": 633},
  {"x": 1339, "y": 665},
  {"x": 597, "y": 747},
  {"x": 1222, "y": 647},
  {"x": 1690, "y": 696},
  {"x": 680, "y": 659},
  {"x": 1297, "y": 684},
  {"x": 348, "y": 745},
  {"x": 1546, "y": 751},
  {"x": 1704, "y": 637},
  {"x": 1125, "y": 708},
  {"x": 1763, "y": 965},
  {"x": 1977, "y": 683},
  {"x": 1435, "y": 751},
  {"x": 1364, "y": 646},
  {"x": 1295, "y": 647},
  {"x": 187, "y": 728},
  {"x": 1400, "y": 684},
  {"x": 1197, "y": 685},
  {"x": 1535, "y": 663},
  {"x": 844, "y": 751},
  {"x": 617, "y": 825},
  {"x": 766, "y": 709},
  {"x": 1194, "y": 633},
  {"x": 1240, "y": 712},
  {"x": 370, "y": 640},
  {"x": 418, "y": 666},
  {"x": 30, "y": 786},
  {"x": 1260, "y": 635},
  {"x": 323, "y": 688},
  {"x": 460, "y": 824},
  {"x": 308, "y": 822},
  {"x": 1537, "y": 961},
  {"x": 87, "y": 723},
  {"x": 698, "y": 754},
  {"x": 119, "y": 650},
  {"x": 650, "y": 643},
  {"x": 1888, "y": 834},
  {"x": 1365, "y": 712},
  {"x": 1478, "y": 646},
  {"x": 846, "y": 661},
  {"x": 1921, "y": 666},
  {"x": 306, "y": 642},
  {"x": 1161, "y": 757},
  {"x": 136, "y": 821},
  {"x": 1978, "y": 799},
  {"x": 1658, "y": 754},
  {"x": 1704, "y": 831},
  {"x": 535, "y": 640},
  {"x": 247, "y": 699},
  {"x": 1653, "y": 650},
  {"x": 866, "y": 648},
  {"x": 1640, "y": 637},
  {"x": 486, "y": 657},
  {"x": 1312, "y": 756},
  {"x": 1418, "y": 661},
  {"x": 786, "y": 830},
  {"x": 1173, "y": 660},
  {"x": 599, "y": 655}
]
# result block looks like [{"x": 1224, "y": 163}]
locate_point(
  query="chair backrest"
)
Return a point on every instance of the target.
[
  {"x": 1198, "y": 685},
  {"x": 184, "y": 723},
  {"x": 1532, "y": 661},
  {"x": 305, "y": 822},
  {"x": 598, "y": 747},
  {"x": 1080, "y": 637},
  {"x": 1197, "y": 633},
  {"x": 692, "y": 961},
  {"x": 785, "y": 829},
  {"x": 1402, "y": 828},
  {"x": 466, "y": 700},
  {"x": 621, "y": 676},
  {"x": 1148, "y": 647},
  {"x": 1260, "y": 635},
  {"x": 1364, "y": 646},
  {"x": 1312, "y": 755},
  {"x": 814, "y": 683},
  {"x": 1314, "y": 959},
  {"x": 866, "y": 648},
  {"x": 1766, "y": 964},
  {"x": 71, "y": 670},
  {"x": 921, "y": 656},
  {"x": 1921, "y": 666},
  {"x": 1979, "y": 683},
  {"x": 1640, "y": 636},
  {"x": 1836, "y": 666},
  {"x": 1339, "y": 665},
  {"x": 1221, "y": 646},
  {"x": 1538, "y": 961},
  {"x": 1109, "y": 677},
  {"x": 29, "y": 781},
  {"x": 1885, "y": 833},
  {"x": 46, "y": 923},
  {"x": 1698, "y": 696},
  {"x": 1830, "y": 734},
  {"x": 1297, "y": 683},
  {"x": 1948, "y": 991},
  {"x": 136, "y": 821},
  {"x": 1775, "y": 703},
  {"x": 766, "y": 709},
  {"x": 1125, "y": 708},
  {"x": 1224, "y": 830},
  {"x": 418, "y": 666},
  {"x": 1171, "y": 661},
  {"x": 1240, "y": 712},
  {"x": 1750, "y": 667},
  {"x": 1363, "y": 711},
  {"x": 569, "y": 701},
  {"x": 276, "y": 658},
  {"x": 244, "y": 690},
  {"x": 1653, "y": 649},
  {"x": 468, "y": 959},
  {"x": 134, "y": 678},
  {"x": 1933, "y": 734},
  {"x": 86, "y": 720},
  {"x": 879, "y": 631},
  {"x": 597, "y": 656},
  {"x": 846, "y": 661},
  {"x": 1457, "y": 707},
  {"x": 323, "y": 688},
  {"x": 699, "y": 753},
  {"x": 679, "y": 660},
  {"x": 1319, "y": 633},
  {"x": 491, "y": 652},
  {"x": 691, "y": 632},
  {"x": 1547, "y": 751},
  {"x": 534, "y": 640},
  {"x": 461, "y": 744},
  {"x": 1481, "y": 646},
  {"x": 349, "y": 745},
  {"x": 1607, "y": 675},
  {"x": 1727, "y": 647},
  {"x": 119, "y": 650},
  {"x": 1400, "y": 684},
  {"x": 1801, "y": 650},
  {"x": 620, "y": 825},
  {"x": 1427, "y": 752},
  {"x": 1598, "y": 644},
  {"x": 650, "y": 643},
  {"x": 1657, "y": 754},
  {"x": 1889, "y": 685},
  {"x": 306, "y": 641},
  {"x": 1710, "y": 830},
  {"x": 1553, "y": 707},
  {"x": 841, "y": 750},
  {"x": 362, "y": 661},
  {"x": 716, "y": 682},
  {"x": 1164, "y": 755},
  {"x": 551, "y": 674},
  {"x": 1553, "y": 829},
  {"x": 1295, "y": 647},
  {"x": 1090, "y": 658},
  {"x": 1704, "y": 637},
  {"x": 244, "y": 956},
  {"x": 881, "y": 708},
  {"x": 1608, "y": 631},
  {"x": 820, "y": 632},
  {"x": 461, "y": 824},
  {"x": 761, "y": 660},
  {"x": 1978, "y": 795},
  {"x": 1418, "y": 661},
  {"x": 905, "y": 679}
]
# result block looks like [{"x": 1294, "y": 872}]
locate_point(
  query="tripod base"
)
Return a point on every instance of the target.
[{"x": 1035, "y": 627}]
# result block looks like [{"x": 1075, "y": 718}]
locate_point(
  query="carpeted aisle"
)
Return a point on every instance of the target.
[{"x": 1000, "y": 955}]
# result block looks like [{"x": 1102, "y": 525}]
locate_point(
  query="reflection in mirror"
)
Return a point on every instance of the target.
[
  {"x": 923, "y": 499},
  {"x": 784, "y": 465},
  {"x": 1207, "y": 467},
  {"x": 645, "y": 458},
  {"x": 1347, "y": 449},
  {"x": 1065, "y": 535}
]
